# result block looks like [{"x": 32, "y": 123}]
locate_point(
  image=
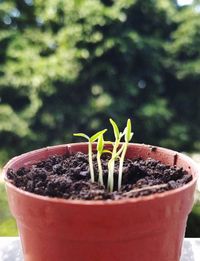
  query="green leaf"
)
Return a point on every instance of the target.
[
  {"x": 115, "y": 129},
  {"x": 100, "y": 144},
  {"x": 96, "y": 136},
  {"x": 128, "y": 134},
  {"x": 81, "y": 135},
  {"x": 108, "y": 142},
  {"x": 107, "y": 151},
  {"x": 121, "y": 134}
]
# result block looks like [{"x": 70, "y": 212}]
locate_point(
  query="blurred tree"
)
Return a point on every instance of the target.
[
  {"x": 183, "y": 79},
  {"x": 70, "y": 65}
]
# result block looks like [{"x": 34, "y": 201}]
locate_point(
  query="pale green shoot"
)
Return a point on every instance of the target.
[
  {"x": 90, "y": 141},
  {"x": 128, "y": 134},
  {"x": 111, "y": 164},
  {"x": 100, "y": 151}
]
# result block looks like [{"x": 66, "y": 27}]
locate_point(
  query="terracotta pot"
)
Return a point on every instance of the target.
[{"x": 143, "y": 229}]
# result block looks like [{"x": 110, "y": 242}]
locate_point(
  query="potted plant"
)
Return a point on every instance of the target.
[{"x": 121, "y": 202}]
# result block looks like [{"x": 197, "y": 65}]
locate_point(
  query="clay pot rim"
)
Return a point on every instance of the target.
[{"x": 100, "y": 202}]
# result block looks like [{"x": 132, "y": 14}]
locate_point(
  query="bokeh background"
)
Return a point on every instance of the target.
[{"x": 69, "y": 65}]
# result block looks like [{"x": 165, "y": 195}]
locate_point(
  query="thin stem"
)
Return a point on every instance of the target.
[
  {"x": 100, "y": 169},
  {"x": 90, "y": 161},
  {"x": 120, "y": 150},
  {"x": 121, "y": 162},
  {"x": 111, "y": 167}
]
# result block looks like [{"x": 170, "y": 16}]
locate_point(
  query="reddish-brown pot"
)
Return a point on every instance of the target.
[{"x": 147, "y": 229}]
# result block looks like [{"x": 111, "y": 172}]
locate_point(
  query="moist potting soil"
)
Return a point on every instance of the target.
[{"x": 69, "y": 177}]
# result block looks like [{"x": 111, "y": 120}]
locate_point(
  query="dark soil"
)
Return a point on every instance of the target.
[{"x": 68, "y": 177}]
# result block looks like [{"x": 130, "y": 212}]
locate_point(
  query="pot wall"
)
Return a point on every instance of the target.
[{"x": 148, "y": 228}]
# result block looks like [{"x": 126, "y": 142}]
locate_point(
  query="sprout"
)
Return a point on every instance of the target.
[
  {"x": 115, "y": 154},
  {"x": 128, "y": 136},
  {"x": 100, "y": 146},
  {"x": 100, "y": 151},
  {"x": 90, "y": 141},
  {"x": 111, "y": 164}
]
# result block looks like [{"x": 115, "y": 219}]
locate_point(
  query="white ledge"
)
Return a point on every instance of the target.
[{"x": 10, "y": 249}]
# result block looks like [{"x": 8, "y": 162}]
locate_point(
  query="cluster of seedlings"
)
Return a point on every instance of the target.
[{"x": 118, "y": 152}]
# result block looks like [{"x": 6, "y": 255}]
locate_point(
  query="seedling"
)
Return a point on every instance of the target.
[
  {"x": 100, "y": 151},
  {"x": 90, "y": 141},
  {"x": 111, "y": 164},
  {"x": 117, "y": 153},
  {"x": 128, "y": 136}
]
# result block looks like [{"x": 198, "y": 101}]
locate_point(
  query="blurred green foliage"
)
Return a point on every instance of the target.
[
  {"x": 193, "y": 223},
  {"x": 67, "y": 66},
  {"x": 7, "y": 223}
]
